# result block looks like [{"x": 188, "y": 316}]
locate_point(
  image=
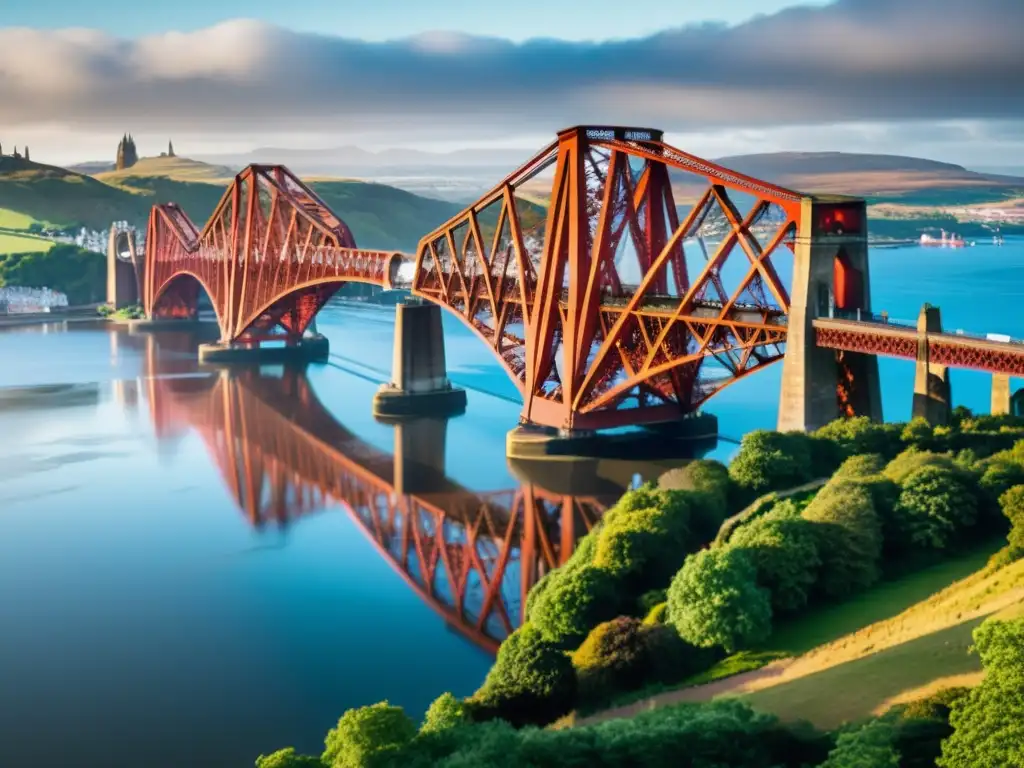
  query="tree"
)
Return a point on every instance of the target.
[
  {"x": 715, "y": 600},
  {"x": 849, "y": 538},
  {"x": 770, "y": 461},
  {"x": 444, "y": 713},
  {"x": 366, "y": 733},
  {"x": 988, "y": 723},
  {"x": 862, "y": 435},
  {"x": 532, "y": 682},
  {"x": 644, "y": 547},
  {"x": 611, "y": 659},
  {"x": 573, "y": 603},
  {"x": 711, "y": 494},
  {"x": 935, "y": 504},
  {"x": 784, "y": 550},
  {"x": 1011, "y": 502},
  {"x": 287, "y": 758},
  {"x": 918, "y": 433},
  {"x": 870, "y": 746},
  {"x": 912, "y": 459}
]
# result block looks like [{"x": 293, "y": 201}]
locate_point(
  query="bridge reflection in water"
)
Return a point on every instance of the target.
[{"x": 472, "y": 556}]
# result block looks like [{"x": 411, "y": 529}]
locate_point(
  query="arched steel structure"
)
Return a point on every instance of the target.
[
  {"x": 472, "y": 557},
  {"x": 270, "y": 256},
  {"x": 607, "y": 303},
  {"x": 606, "y": 309}
]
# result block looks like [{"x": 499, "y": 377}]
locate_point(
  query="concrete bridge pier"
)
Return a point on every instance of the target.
[
  {"x": 124, "y": 277},
  {"x": 1000, "y": 394},
  {"x": 420, "y": 456},
  {"x": 830, "y": 277},
  {"x": 932, "y": 394},
  {"x": 419, "y": 383}
]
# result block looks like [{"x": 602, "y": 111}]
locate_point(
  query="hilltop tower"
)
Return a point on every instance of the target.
[
  {"x": 26, "y": 153},
  {"x": 126, "y": 154},
  {"x": 170, "y": 149}
]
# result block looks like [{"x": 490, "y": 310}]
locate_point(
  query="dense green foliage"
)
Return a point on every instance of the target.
[
  {"x": 988, "y": 723},
  {"x": 81, "y": 274},
  {"x": 445, "y": 712},
  {"x": 849, "y": 535},
  {"x": 532, "y": 682},
  {"x": 367, "y": 733},
  {"x": 784, "y": 550},
  {"x": 287, "y": 758},
  {"x": 724, "y": 734},
  {"x": 626, "y": 654},
  {"x": 715, "y": 600}
]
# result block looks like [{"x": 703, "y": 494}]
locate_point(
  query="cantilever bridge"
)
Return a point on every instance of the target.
[
  {"x": 471, "y": 556},
  {"x": 617, "y": 280}
]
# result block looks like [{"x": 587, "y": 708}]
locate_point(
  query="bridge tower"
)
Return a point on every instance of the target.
[
  {"x": 830, "y": 278},
  {"x": 124, "y": 268}
]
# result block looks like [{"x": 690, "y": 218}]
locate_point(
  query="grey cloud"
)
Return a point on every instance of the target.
[{"x": 852, "y": 60}]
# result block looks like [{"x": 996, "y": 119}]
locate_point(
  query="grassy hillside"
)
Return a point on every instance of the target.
[
  {"x": 176, "y": 168},
  {"x": 380, "y": 216}
]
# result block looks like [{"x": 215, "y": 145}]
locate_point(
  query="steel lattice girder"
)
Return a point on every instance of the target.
[
  {"x": 943, "y": 349},
  {"x": 271, "y": 253},
  {"x": 548, "y": 296},
  {"x": 460, "y": 552}
]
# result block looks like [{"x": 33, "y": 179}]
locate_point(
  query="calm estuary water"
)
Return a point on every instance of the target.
[{"x": 198, "y": 568}]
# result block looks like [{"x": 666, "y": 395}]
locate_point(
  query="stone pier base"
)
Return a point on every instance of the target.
[
  {"x": 419, "y": 383},
  {"x": 308, "y": 349},
  {"x": 167, "y": 324},
  {"x": 691, "y": 437}
]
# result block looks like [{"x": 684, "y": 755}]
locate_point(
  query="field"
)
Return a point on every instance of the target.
[
  {"x": 14, "y": 220},
  {"x": 18, "y": 244},
  {"x": 855, "y": 659}
]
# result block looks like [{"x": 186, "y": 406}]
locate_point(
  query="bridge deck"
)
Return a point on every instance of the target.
[{"x": 950, "y": 349}]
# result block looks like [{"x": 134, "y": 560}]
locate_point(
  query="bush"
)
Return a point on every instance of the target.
[
  {"x": 712, "y": 494},
  {"x": 644, "y": 546},
  {"x": 784, "y": 551},
  {"x": 769, "y": 461},
  {"x": 935, "y": 504},
  {"x": 1011, "y": 502},
  {"x": 912, "y": 460},
  {"x": 367, "y": 733},
  {"x": 918, "y": 433},
  {"x": 988, "y": 723},
  {"x": 611, "y": 659},
  {"x": 861, "y": 465},
  {"x": 444, "y": 713},
  {"x": 287, "y": 758},
  {"x": 531, "y": 682},
  {"x": 574, "y": 602},
  {"x": 715, "y": 600},
  {"x": 582, "y": 556},
  {"x": 849, "y": 538},
  {"x": 861, "y": 435},
  {"x": 870, "y": 746},
  {"x": 669, "y": 658}
]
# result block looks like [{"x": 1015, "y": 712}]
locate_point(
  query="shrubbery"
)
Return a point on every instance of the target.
[
  {"x": 532, "y": 682},
  {"x": 715, "y": 600},
  {"x": 988, "y": 722},
  {"x": 626, "y": 654}
]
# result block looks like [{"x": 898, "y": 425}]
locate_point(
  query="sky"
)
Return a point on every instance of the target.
[{"x": 931, "y": 78}]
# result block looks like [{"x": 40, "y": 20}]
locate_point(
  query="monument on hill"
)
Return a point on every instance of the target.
[{"x": 127, "y": 156}]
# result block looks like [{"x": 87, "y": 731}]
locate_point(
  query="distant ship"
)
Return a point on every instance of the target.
[
  {"x": 997, "y": 238},
  {"x": 948, "y": 240}
]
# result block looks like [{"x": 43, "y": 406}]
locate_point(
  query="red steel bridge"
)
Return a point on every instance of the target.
[
  {"x": 618, "y": 280},
  {"x": 471, "y": 556}
]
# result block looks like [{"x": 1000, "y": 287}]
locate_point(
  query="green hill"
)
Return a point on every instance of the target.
[{"x": 379, "y": 216}]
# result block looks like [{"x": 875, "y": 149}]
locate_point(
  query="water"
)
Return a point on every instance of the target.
[{"x": 200, "y": 568}]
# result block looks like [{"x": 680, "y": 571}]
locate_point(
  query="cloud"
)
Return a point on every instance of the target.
[{"x": 854, "y": 60}]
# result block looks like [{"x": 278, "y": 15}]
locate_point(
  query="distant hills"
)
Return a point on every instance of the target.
[
  {"x": 380, "y": 216},
  {"x": 871, "y": 176}
]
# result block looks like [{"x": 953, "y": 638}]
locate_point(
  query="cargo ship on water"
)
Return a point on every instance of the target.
[{"x": 948, "y": 240}]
